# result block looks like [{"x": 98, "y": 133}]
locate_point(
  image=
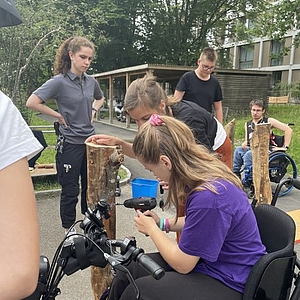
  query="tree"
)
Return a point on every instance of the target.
[
  {"x": 28, "y": 50},
  {"x": 277, "y": 19},
  {"x": 174, "y": 32},
  {"x": 125, "y": 32}
]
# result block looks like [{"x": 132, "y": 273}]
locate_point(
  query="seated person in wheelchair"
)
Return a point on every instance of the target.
[
  {"x": 242, "y": 154},
  {"x": 220, "y": 241}
]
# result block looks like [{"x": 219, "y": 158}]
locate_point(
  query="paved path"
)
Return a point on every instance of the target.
[{"x": 77, "y": 286}]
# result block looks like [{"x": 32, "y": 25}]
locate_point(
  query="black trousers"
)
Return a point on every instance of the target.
[
  {"x": 175, "y": 286},
  {"x": 71, "y": 165}
]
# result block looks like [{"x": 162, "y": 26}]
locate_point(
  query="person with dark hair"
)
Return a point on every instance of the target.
[
  {"x": 78, "y": 97},
  {"x": 200, "y": 86},
  {"x": 220, "y": 240},
  {"x": 242, "y": 154}
]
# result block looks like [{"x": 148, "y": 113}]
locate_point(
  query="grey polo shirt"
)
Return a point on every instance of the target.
[{"x": 74, "y": 98}]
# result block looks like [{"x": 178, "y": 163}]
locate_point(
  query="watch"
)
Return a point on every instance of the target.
[
  {"x": 286, "y": 147},
  {"x": 94, "y": 109}
]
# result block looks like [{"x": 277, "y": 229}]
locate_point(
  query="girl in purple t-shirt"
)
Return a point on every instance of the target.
[{"x": 220, "y": 241}]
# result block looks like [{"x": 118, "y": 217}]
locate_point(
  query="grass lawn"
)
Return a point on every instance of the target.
[{"x": 284, "y": 113}]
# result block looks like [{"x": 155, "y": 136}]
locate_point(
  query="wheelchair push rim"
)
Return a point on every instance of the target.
[{"x": 286, "y": 168}]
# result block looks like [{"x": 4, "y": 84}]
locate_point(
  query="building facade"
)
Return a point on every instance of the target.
[{"x": 264, "y": 55}]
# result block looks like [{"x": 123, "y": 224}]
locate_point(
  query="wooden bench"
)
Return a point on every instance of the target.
[
  {"x": 279, "y": 100},
  {"x": 43, "y": 169},
  {"x": 43, "y": 128}
]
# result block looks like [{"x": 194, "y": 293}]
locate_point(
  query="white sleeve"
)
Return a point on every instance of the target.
[{"x": 16, "y": 139}]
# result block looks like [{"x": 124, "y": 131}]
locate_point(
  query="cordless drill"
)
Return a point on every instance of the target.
[{"x": 141, "y": 203}]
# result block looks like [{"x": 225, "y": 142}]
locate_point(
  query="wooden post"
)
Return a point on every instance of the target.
[
  {"x": 103, "y": 163},
  {"x": 230, "y": 130},
  {"x": 260, "y": 160}
]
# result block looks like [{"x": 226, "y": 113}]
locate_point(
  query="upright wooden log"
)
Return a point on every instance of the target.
[
  {"x": 103, "y": 163},
  {"x": 260, "y": 160},
  {"x": 230, "y": 130}
]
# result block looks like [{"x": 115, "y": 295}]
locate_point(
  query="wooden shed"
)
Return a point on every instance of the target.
[{"x": 239, "y": 86}]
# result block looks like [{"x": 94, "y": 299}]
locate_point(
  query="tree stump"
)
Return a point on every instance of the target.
[
  {"x": 260, "y": 160},
  {"x": 103, "y": 163}
]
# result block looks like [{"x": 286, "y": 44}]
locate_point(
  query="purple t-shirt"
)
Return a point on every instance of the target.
[{"x": 221, "y": 229}]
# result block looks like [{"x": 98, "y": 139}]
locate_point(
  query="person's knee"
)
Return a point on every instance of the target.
[
  {"x": 247, "y": 159},
  {"x": 70, "y": 190},
  {"x": 237, "y": 150}
]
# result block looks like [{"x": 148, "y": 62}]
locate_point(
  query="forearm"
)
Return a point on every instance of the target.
[
  {"x": 287, "y": 137},
  {"x": 178, "y": 94},
  {"x": 219, "y": 115},
  {"x": 97, "y": 104},
  {"x": 35, "y": 103},
  {"x": 44, "y": 109},
  {"x": 171, "y": 253},
  {"x": 178, "y": 226},
  {"x": 127, "y": 148},
  {"x": 19, "y": 247}
]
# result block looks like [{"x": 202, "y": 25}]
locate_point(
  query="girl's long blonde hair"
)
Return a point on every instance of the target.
[{"x": 193, "y": 167}]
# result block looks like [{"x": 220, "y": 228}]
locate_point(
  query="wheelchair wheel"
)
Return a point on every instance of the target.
[{"x": 281, "y": 165}]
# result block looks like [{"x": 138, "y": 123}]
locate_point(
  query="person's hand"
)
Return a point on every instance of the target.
[
  {"x": 279, "y": 149},
  {"x": 164, "y": 184},
  {"x": 245, "y": 146},
  {"x": 61, "y": 120},
  {"x": 103, "y": 139},
  {"x": 146, "y": 221}
]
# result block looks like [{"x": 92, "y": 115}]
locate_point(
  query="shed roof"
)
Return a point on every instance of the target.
[{"x": 167, "y": 72}]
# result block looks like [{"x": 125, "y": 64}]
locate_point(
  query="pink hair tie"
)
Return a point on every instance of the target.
[{"x": 155, "y": 120}]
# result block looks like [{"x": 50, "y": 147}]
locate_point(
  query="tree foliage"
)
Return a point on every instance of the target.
[{"x": 127, "y": 33}]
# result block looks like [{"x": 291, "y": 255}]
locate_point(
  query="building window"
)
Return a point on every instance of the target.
[
  {"x": 275, "y": 79},
  {"x": 246, "y": 57},
  {"x": 276, "y": 55}
]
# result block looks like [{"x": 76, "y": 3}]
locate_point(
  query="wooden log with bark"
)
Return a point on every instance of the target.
[
  {"x": 260, "y": 160},
  {"x": 103, "y": 163},
  {"x": 230, "y": 130}
]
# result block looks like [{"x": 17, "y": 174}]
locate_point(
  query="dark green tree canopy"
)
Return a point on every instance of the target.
[{"x": 130, "y": 32}]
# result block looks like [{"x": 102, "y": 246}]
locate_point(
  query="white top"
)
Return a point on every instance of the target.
[
  {"x": 16, "y": 139},
  {"x": 220, "y": 136}
]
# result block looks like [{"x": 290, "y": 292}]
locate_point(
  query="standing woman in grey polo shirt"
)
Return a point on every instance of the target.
[{"x": 78, "y": 97}]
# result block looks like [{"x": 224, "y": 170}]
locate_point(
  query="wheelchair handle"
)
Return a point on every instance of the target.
[{"x": 294, "y": 182}]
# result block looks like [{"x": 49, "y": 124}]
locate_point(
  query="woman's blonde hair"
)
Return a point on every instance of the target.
[
  {"x": 144, "y": 92},
  {"x": 193, "y": 167},
  {"x": 147, "y": 92}
]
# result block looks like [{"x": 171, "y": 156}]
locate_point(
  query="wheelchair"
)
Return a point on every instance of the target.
[{"x": 281, "y": 166}]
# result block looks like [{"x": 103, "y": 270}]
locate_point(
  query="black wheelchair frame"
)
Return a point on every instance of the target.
[{"x": 281, "y": 166}]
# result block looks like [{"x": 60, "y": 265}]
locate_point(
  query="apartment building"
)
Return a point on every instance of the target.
[{"x": 258, "y": 56}]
